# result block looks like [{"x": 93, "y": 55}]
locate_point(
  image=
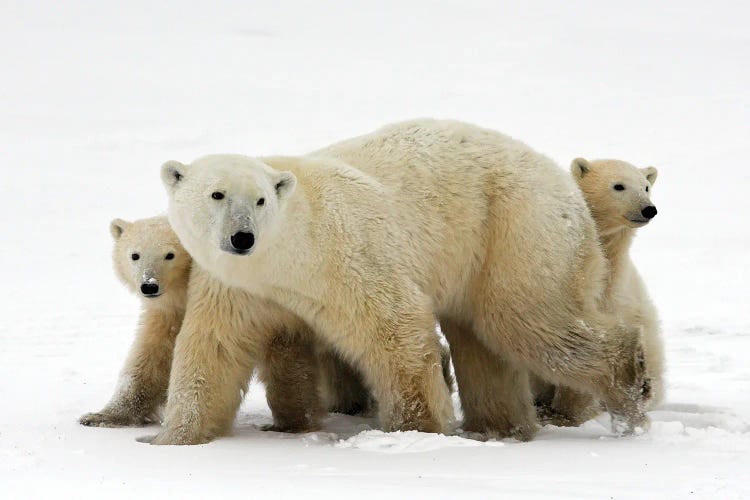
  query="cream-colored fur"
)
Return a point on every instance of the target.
[
  {"x": 618, "y": 194},
  {"x": 301, "y": 378},
  {"x": 618, "y": 213},
  {"x": 372, "y": 239},
  {"x": 147, "y": 252}
]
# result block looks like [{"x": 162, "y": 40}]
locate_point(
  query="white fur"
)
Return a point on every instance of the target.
[{"x": 388, "y": 231}]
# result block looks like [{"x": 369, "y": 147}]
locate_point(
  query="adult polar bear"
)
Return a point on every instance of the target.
[{"x": 372, "y": 239}]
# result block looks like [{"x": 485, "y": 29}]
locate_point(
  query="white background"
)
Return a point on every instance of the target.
[{"x": 95, "y": 96}]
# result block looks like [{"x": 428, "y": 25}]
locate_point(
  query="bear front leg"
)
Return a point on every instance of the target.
[
  {"x": 210, "y": 372},
  {"x": 495, "y": 397},
  {"x": 142, "y": 388},
  {"x": 290, "y": 373}
]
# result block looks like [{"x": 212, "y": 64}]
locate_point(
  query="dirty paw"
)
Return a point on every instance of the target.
[
  {"x": 288, "y": 428},
  {"x": 111, "y": 420},
  {"x": 173, "y": 438}
]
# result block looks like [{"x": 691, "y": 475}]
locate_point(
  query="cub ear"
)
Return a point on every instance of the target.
[
  {"x": 285, "y": 184},
  {"x": 650, "y": 173},
  {"x": 117, "y": 227},
  {"x": 579, "y": 167},
  {"x": 172, "y": 172}
]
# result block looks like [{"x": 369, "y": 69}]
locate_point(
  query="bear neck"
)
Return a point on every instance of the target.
[{"x": 616, "y": 246}]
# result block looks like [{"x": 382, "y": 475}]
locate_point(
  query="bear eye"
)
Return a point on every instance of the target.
[
  {"x": 135, "y": 256},
  {"x": 647, "y": 189},
  {"x": 216, "y": 195},
  {"x": 619, "y": 187},
  {"x": 261, "y": 202},
  {"x": 169, "y": 256}
]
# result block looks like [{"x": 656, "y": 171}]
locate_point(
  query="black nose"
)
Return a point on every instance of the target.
[
  {"x": 649, "y": 212},
  {"x": 242, "y": 241},
  {"x": 149, "y": 288}
]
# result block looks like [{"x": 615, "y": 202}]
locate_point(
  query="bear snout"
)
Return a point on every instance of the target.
[
  {"x": 242, "y": 241},
  {"x": 649, "y": 212},
  {"x": 150, "y": 289}
]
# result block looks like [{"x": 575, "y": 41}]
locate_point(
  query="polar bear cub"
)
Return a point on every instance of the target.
[
  {"x": 150, "y": 261},
  {"x": 619, "y": 197}
]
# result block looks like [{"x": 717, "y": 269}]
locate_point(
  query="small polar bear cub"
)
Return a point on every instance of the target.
[
  {"x": 150, "y": 261},
  {"x": 619, "y": 197}
]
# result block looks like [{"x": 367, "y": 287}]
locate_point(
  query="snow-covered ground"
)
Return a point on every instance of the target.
[{"x": 95, "y": 96}]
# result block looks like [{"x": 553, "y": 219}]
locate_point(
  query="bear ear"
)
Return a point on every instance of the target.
[
  {"x": 172, "y": 172},
  {"x": 117, "y": 227},
  {"x": 650, "y": 173},
  {"x": 284, "y": 184},
  {"x": 579, "y": 167}
]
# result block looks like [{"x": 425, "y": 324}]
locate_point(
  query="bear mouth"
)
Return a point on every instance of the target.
[
  {"x": 152, "y": 295},
  {"x": 638, "y": 222},
  {"x": 236, "y": 251}
]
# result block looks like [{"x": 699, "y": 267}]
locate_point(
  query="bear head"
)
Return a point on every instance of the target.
[
  {"x": 149, "y": 259},
  {"x": 223, "y": 206},
  {"x": 617, "y": 193}
]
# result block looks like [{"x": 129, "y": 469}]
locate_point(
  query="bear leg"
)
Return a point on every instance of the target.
[
  {"x": 590, "y": 358},
  {"x": 343, "y": 387},
  {"x": 145, "y": 376},
  {"x": 289, "y": 371},
  {"x": 626, "y": 394},
  {"x": 210, "y": 372},
  {"x": 571, "y": 408},
  {"x": 400, "y": 359},
  {"x": 495, "y": 397}
]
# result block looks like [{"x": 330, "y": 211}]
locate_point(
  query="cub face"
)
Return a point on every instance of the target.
[
  {"x": 618, "y": 194},
  {"x": 224, "y": 205},
  {"x": 149, "y": 259}
]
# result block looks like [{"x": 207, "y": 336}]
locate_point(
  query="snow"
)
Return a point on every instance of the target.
[{"x": 94, "y": 96}]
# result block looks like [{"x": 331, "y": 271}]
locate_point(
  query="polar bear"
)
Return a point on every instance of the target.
[
  {"x": 619, "y": 197},
  {"x": 149, "y": 259},
  {"x": 372, "y": 239}
]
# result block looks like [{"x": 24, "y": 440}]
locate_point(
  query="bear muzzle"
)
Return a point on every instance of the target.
[
  {"x": 150, "y": 289},
  {"x": 641, "y": 219},
  {"x": 649, "y": 212},
  {"x": 242, "y": 242}
]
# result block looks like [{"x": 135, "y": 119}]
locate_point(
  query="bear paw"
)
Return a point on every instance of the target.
[
  {"x": 522, "y": 432},
  {"x": 289, "y": 428},
  {"x": 628, "y": 425},
  {"x": 168, "y": 437},
  {"x": 97, "y": 419}
]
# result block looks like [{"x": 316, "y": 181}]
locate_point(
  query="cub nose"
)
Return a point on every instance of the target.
[
  {"x": 242, "y": 241},
  {"x": 149, "y": 289},
  {"x": 649, "y": 212}
]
